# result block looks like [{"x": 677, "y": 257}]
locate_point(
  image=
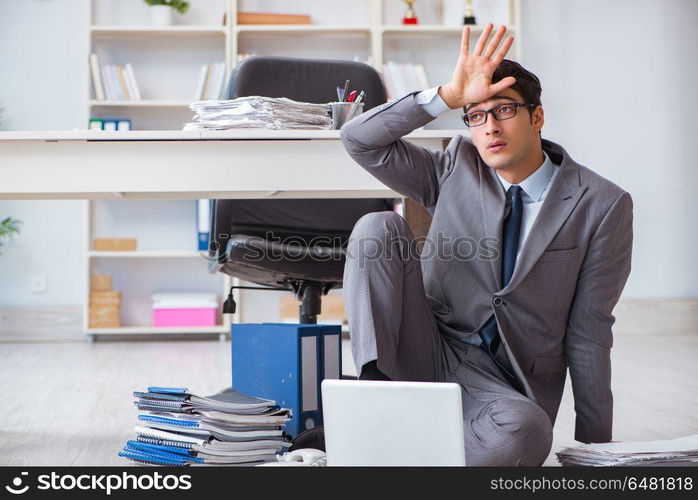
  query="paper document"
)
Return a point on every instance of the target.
[
  {"x": 274, "y": 113},
  {"x": 679, "y": 451}
]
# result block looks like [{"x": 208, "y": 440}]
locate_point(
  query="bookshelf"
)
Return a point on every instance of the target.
[
  {"x": 105, "y": 31},
  {"x": 167, "y": 61},
  {"x": 166, "y": 260},
  {"x": 139, "y": 104}
]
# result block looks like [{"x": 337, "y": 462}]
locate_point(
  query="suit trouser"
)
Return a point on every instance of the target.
[{"x": 390, "y": 321}]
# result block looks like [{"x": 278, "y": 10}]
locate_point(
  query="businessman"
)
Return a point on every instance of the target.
[{"x": 526, "y": 257}]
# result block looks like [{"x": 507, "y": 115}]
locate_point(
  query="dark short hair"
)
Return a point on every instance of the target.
[{"x": 527, "y": 84}]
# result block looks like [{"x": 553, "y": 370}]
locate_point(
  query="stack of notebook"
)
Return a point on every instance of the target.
[
  {"x": 681, "y": 451},
  {"x": 275, "y": 113},
  {"x": 228, "y": 428}
]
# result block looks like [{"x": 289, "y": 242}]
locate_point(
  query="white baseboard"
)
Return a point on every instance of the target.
[
  {"x": 31, "y": 324},
  {"x": 656, "y": 317},
  {"x": 633, "y": 317}
]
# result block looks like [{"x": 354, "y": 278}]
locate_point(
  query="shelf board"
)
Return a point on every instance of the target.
[
  {"x": 151, "y": 31},
  {"x": 141, "y": 104},
  {"x": 431, "y": 29},
  {"x": 130, "y": 330},
  {"x": 308, "y": 29},
  {"x": 196, "y": 135},
  {"x": 144, "y": 254}
]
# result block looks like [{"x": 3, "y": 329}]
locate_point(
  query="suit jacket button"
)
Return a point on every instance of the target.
[{"x": 497, "y": 301}]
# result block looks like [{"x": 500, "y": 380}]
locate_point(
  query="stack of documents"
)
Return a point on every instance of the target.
[
  {"x": 229, "y": 428},
  {"x": 675, "y": 452},
  {"x": 275, "y": 113}
]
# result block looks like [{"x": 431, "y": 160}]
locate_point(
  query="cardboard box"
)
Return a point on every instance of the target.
[
  {"x": 109, "y": 317},
  {"x": 332, "y": 309},
  {"x": 114, "y": 244},
  {"x": 104, "y": 312},
  {"x": 269, "y": 18},
  {"x": 105, "y": 323},
  {"x": 105, "y": 299},
  {"x": 100, "y": 282}
]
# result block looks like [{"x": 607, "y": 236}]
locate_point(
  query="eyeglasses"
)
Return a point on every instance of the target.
[{"x": 501, "y": 112}]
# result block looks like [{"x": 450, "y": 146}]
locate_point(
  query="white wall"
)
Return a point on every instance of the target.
[
  {"x": 614, "y": 75},
  {"x": 42, "y": 44},
  {"x": 618, "y": 80}
]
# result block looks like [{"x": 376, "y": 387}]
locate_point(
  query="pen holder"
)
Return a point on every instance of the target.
[{"x": 342, "y": 112}]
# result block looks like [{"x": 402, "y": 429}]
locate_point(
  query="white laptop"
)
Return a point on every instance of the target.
[{"x": 392, "y": 423}]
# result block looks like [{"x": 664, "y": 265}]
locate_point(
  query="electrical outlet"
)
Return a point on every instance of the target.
[{"x": 39, "y": 284}]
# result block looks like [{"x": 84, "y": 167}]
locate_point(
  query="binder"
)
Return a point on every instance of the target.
[
  {"x": 287, "y": 362},
  {"x": 109, "y": 125},
  {"x": 203, "y": 223},
  {"x": 123, "y": 124}
]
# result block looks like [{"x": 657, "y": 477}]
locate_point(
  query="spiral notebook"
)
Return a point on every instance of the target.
[
  {"x": 175, "y": 399},
  {"x": 179, "y": 428}
]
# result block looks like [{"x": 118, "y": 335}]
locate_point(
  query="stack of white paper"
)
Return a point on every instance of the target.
[
  {"x": 682, "y": 451},
  {"x": 276, "y": 113}
]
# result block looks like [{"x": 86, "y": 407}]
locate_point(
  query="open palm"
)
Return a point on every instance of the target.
[{"x": 472, "y": 78}]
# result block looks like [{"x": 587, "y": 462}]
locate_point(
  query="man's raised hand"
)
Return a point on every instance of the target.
[{"x": 472, "y": 78}]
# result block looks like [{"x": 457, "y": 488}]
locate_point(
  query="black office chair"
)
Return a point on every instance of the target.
[{"x": 293, "y": 244}]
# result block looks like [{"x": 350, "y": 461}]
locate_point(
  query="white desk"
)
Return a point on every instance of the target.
[{"x": 188, "y": 164}]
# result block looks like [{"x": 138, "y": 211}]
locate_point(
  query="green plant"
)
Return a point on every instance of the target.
[
  {"x": 179, "y": 5},
  {"x": 8, "y": 228}
]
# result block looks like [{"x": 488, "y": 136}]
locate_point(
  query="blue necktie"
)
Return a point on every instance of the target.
[{"x": 512, "y": 228}]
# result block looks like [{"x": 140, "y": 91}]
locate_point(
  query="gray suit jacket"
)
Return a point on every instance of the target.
[{"x": 557, "y": 309}]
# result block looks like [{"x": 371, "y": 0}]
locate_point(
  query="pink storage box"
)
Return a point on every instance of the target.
[
  {"x": 205, "y": 316},
  {"x": 184, "y": 309}
]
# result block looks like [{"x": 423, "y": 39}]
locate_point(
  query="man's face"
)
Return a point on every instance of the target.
[{"x": 504, "y": 144}]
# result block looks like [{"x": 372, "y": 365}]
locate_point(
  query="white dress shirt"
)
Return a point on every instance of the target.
[{"x": 431, "y": 101}]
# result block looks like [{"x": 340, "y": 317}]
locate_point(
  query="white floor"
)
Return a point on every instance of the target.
[{"x": 70, "y": 403}]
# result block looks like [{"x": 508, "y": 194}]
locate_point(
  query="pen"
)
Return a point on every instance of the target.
[
  {"x": 339, "y": 93},
  {"x": 346, "y": 88},
  {"x": 352, "y": 96},
  {"x": 355, "y": 106}
]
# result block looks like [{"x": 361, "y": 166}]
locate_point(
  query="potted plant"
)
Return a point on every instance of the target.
[
  {"x": 161, "y": 10},
  {"x": 8, "y": 228}
]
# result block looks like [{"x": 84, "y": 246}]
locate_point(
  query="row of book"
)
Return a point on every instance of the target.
[
  {"x": 211, "y": 84},
  {"x": 113, "y": 82},
  {"x": 178, "y": 428},
  {"x": 401, "y": 78}
]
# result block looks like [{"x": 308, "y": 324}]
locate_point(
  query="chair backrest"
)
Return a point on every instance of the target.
[
  {"x": 306, "y": 80},
  {"x": 303, "y": 220}
]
